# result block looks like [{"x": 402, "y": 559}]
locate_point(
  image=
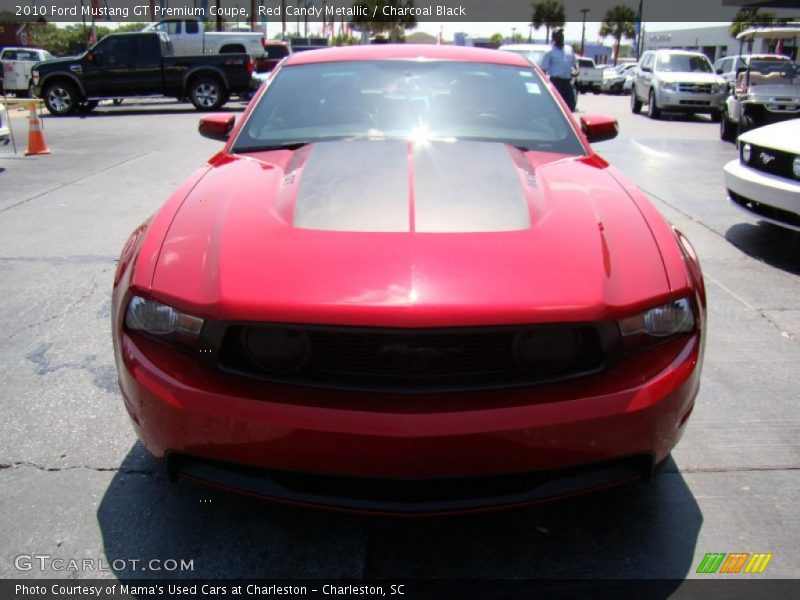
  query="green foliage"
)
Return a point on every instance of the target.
[
  {"x": 548, "y": 14},
  {"x": 496, "y": 39},
  {"x": 61, "y": 41},
  {"x": 750, "y": 17},
  {"x": 618, "y": 23},
  {"x": 391, "y": 26},
  {"x": 131, "y": 27}
]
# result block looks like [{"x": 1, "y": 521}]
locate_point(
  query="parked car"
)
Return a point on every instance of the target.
[
  {"x": 394, "y": 290},
  {"x": 614, "y": 78},
  {"x": 16, "y": 64},
  {"x": 590, "y": 76},
  {"x": 274, "y": 52},
  {"x": 678, "y": 81},
  {"x": 189, "y": 37},
  {"x": 730, "y": 67},
  {"x": 766, "y": 91},
  {"x": 125, "y": 65},
  {"x": 5, "y": 126},
  {"x": 765, "y": 180}
]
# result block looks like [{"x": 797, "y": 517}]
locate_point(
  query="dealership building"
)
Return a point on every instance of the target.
[{"x": 715, "y": 42}]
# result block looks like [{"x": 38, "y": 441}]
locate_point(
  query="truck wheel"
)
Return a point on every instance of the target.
[
  {"x": 207, "y": 93},
  {"x": 636, "y": 104},
  {"x": 726, "y": 131},
  {"x": 652, "y": 108},
  {"x": 60, "y": 98}
]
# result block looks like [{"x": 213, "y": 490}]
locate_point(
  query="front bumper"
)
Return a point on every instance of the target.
[
  {"x": 246, "y": 435},
  {"x": 762, "y": 195},
  {"x": 689, "y": 102}
]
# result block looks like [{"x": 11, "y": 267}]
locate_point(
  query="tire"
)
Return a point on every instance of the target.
[
  {"x": 652, "y": 109},
  {"x": 61, "y": 98},
  {"x": 726, "y": 129},
  {"x": 207, "y": 93},
  {"x": 716, "y": 116},
  {"x": 636, "y": 104}
]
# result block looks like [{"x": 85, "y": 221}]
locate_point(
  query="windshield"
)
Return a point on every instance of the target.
[
  {"x": 683, "y": 63},
  {"x": 408, "y": 99}
]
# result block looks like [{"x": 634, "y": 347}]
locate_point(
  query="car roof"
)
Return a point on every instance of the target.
[
  {"x": 409, "y": 52},
  {"x": 770, "y": 33},
  {"x": 677, "y": 51}
]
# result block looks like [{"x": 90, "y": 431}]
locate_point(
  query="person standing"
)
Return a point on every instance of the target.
[{"x": 560, "y": 65}]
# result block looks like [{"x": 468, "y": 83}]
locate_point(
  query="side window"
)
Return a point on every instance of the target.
[
  {"x": 9, "y": 55},
  {"x": 114, "y": 51},
  {"x": 192, "y": 27},
  {"x": 169, "y": 27},
  {"x": 648, "y": 60}
]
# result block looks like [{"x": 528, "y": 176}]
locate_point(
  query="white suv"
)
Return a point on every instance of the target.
[{"x": 677, "y": 80}]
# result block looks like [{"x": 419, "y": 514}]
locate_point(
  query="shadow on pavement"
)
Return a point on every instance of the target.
[
  {"x": 776, "y": 246},
  {"x": 638, "y": 531}
]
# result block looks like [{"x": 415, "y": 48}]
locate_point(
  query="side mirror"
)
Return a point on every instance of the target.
[
  {"x": 217, "y": 127},
  {"x": 719, "y": 71},
  {"x": 598, "y": 128},
  {"x": 90, "y": 56}
]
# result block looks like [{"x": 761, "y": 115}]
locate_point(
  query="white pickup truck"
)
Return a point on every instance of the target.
[
  {"x": 16, "y": 65},
  {"x": 189, "y": 38},
  {"x": 590, "y": 77}
]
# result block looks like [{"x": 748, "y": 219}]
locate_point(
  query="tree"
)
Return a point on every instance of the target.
[
  {"x": 749, "y": 17},
  {"x": 548, "y": 14},
  {"x": 496, "y": 39},
  {"x": 392, "y": 25},
  {"x": 131, "y": 27},
  {"x": 618, "y": 23}
]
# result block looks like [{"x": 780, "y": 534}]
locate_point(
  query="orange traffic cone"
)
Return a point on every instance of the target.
[{"x": 36, "y": 143}]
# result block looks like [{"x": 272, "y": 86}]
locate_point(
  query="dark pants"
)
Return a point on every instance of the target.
[{"x": 564, "y": 87}]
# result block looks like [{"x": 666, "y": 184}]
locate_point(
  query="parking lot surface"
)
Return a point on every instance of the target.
[{"x": 74, "y": 482}]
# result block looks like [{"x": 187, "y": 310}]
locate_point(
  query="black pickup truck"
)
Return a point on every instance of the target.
[{"x": 125, "y": 65}]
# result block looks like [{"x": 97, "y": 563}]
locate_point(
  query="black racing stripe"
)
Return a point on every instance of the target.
[
  {"x": 467, "y": 187},
  {"x": 356, "y": 185}
]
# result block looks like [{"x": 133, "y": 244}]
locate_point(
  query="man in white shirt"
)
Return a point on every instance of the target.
[{"x": 559, "y": 63}]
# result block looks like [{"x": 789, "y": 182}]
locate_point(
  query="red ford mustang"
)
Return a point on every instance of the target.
[{"x": 408, "y": 285}]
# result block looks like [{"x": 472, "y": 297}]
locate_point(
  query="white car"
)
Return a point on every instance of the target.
[
  {"x": 17, "y": 64},
  {"x": 765, "y": 180},
  {"x": 5, "y": 131}
]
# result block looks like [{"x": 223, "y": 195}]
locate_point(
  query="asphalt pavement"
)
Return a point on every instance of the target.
[{"x": 74, "y": 482}]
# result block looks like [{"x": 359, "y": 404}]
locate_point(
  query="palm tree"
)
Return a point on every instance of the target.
[
  {"x": 548, "y": 13},
  {"x": 747, "y": 18},
  {"x": 618, "y": 23},
  {"x": 393, "y": 24}
]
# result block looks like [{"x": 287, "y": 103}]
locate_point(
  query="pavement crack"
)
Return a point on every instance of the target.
[
  {"x": 69, "y": 183},
  {"x": 22, "y": 463}
]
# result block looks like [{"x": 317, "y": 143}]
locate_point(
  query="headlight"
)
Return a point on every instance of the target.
[
  {"x": 746, "y": 152},
  {"x": 796, "y": 166},
  {"x": 657, "y": 325},
  {"x": 162, "y": 322},
  {"x": 666, "y": 85}
]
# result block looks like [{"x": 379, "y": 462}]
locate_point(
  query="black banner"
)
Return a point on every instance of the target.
[{"x": 449, "y": 11}]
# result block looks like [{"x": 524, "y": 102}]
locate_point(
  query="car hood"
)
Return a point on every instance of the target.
[
  {"x": 778, "y": 136},
  {"x": 671, "y": 77},
  {"x": 387, "y": 233}
]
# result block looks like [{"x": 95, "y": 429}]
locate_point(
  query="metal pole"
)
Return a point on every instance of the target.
[{"x": 583, "y": 29}]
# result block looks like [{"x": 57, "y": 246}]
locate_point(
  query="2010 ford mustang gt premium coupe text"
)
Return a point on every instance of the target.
[{"x": 408, "y": 285}]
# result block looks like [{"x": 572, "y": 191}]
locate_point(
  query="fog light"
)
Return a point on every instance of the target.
[
  {"x": 746, "y": 152},
  {"x": 277, "y": 349},
  {"x": 796, "y": 166}
]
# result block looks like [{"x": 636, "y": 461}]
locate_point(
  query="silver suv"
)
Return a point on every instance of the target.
[{"x": 677, "y": 80}]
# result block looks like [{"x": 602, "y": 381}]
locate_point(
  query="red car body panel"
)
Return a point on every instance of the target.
[{"x": 589, "y": 248}]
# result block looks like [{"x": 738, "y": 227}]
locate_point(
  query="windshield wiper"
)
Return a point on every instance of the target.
[{"x": 293, "y": 145}]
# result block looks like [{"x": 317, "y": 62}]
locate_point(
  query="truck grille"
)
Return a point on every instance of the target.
[
  {"x": 416, "y": 361},
  {"x": 775, "y": 162},
  {"x": 694, "y": 88}
]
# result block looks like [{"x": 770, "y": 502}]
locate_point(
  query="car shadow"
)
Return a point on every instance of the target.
[
  {"x": 776, "y": 246},
  {"x": 638, "y": 531},
  {"x": 147, "y": 109}
]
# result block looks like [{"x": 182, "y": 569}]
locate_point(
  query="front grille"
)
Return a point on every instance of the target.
[
  {"x": 695, "y": 103},
  {"x": 775, "y": 162},
  {"x": 694, "y": 88},
  {"x": 408, "y": 361},
  {"x": 764, "y": 210}
]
